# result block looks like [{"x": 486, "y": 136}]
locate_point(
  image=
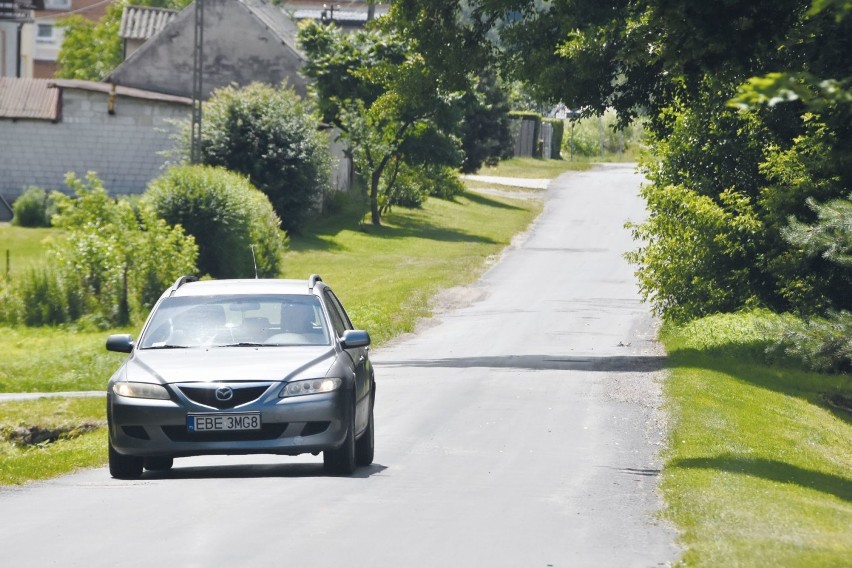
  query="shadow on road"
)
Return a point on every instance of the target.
[
  {"x": 608, "y": 364},
  {"x": 256, "y": 471}
]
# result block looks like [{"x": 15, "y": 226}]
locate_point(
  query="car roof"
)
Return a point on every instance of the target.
[{"x": 241, "y": 286}]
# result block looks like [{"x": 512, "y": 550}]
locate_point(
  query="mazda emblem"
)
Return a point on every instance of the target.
[{"x": 224, "y": 393}]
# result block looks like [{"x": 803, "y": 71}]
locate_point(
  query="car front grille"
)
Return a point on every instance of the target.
[
  {"x": 241, "y": 394},
  {"x": 267, "y": 432}
]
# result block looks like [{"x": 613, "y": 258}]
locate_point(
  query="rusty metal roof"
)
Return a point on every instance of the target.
[
  {"x": 141, "y": 22},
  {"x": 28, "y": 98}
]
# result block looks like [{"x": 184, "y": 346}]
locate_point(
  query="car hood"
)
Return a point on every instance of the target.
[{"x": 217, "y": 364}]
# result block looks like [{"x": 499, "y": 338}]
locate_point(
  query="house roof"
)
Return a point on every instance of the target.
[
  {"x": 276, "y": 20},
  {"x": 28, "y": 98},
  {"x": 142, "y": 22},
  {"x": 39, "y": 99}
]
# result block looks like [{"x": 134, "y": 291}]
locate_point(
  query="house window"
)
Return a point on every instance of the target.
[
  {"x": 44, "y": 33},
  {"x": 57, "y": 4}
]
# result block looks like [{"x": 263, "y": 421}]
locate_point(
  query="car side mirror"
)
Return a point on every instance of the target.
[
  {"x": 355, "y": 338},
  {"x": 122, "y": 342}
]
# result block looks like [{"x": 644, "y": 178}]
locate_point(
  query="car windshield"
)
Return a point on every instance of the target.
[{"x": 236, "y": 321}]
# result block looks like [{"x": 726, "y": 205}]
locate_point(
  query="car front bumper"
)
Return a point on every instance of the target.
[{"x": 290, "y": 426}]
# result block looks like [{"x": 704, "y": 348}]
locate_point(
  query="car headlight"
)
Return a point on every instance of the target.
[
  {"x": 310, "y": 386},
  {"x": 141, "y": 390}
]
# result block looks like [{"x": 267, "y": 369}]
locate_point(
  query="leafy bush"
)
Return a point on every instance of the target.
[
  {"x": 486, "y": 133},
  {"x": 122, "y": 256},
  {"x": 226, "y": 214},
  {"x": 414, "y": 184},
  {"x": 109, "y": 265},
  {"x": 694, "y": 253},
  {"x": 33, "y": 208},
  {"x": 274, "y": 138}
]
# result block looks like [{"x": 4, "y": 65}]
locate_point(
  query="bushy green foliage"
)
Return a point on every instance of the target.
[
  {"x": 273, "y": 137},
  {"x": 226, "y": 214},
  {"x": 379, "y": 92},
  {"x": 618, "y": 140},
  {"x": 121, "y": 253},
  {"x": 695, "y": 252},
  {"x": 109, "y": 265},
  {"x": 90, "y": 50},
  {"x": 414, "y": 184},
  {"x": 486, "y": 132},
  {"x": 33, "y": 208}
]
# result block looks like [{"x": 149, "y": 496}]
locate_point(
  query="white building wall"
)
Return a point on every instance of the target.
[{"x": 125, "y": 149}]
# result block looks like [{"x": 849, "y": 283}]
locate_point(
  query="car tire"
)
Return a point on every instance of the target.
[
  {"x": 124, "y": 467},
  {"x": 159, "y": 463},
  {"x": 365, "y": 445},
  {"x": 342, "y": 460}
]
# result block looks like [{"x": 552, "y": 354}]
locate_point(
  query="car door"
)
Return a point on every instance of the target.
[{"x": 360, "y": 357}]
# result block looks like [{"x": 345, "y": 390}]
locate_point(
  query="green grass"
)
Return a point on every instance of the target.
[
  {"x": 49, "y": 359},
  {"x": 25, "y": 247},
  {"x": 534, "y": 168},
  {"x": 757, "y": 472},
  {"x": 22, "y": 463},
  {"x": 480, "y": 185}
]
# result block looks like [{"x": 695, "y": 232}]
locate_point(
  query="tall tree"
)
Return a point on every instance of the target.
[{"x": 386, "y": 100}]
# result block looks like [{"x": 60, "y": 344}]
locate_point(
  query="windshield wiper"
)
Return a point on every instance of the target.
[
  {"x": 244, "y": 344},
  {"x": 167, "y": 346}
]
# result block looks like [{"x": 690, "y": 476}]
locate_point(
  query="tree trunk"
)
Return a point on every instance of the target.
[{"x": 375, "y": 214}]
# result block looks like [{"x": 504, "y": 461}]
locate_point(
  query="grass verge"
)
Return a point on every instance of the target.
[
  {"x": 757, "y": 472},
  {"x": 43, "y": 438}
]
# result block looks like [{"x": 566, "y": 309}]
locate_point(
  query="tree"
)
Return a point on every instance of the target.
[
  {"x": 272, "y": 136},
  {"x": 740, "y": 174},
  {"x": 386, "y": 101},
  {"x": 90, "y": 51}
]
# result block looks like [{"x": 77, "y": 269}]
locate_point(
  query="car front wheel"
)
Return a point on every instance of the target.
[
  {"x": 342, "y": 460},
  {"x": 124, "y": 467}
]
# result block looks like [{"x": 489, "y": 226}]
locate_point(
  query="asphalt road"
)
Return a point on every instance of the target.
[{"x": 518, "y": 431}]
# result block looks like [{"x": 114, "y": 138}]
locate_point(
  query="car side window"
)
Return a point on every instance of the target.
[
  {"x": 339, "y": 313},
  {"x": 334, "y": 314}
]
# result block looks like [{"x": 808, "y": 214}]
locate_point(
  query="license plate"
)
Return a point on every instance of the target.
[{"x": 222, "y": 422}]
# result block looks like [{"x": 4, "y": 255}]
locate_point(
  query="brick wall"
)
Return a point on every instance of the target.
[{"x": 124, "y": 148}]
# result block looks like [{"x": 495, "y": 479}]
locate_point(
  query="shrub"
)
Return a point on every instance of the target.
[
  {"x": 227, "y": 216},
  {"x": 274, "y": 138},
  {"x": 116, "y": 258},
  {"x": 33, "y": 208},
  {"x": 415, "y": 183}
]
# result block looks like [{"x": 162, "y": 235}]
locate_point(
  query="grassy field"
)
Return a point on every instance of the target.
[
  {"x": 21, "y": 247},
  {"x": 757, "y": 472}
]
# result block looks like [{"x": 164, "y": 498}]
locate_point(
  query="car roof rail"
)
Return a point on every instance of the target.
[
  {"x": 181, "y": 281},
  {"x": 313, "y": 280}
]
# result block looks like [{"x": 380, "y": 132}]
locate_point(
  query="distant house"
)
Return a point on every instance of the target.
[
  {"x": 353, "y": 15},
  {"x": 118, "y": 132},
  {"x": 44, "y": 37},
  {"x": 245, "y": 41},
  {"x": 15, "y": 17},
  {"x": 141, "y": 23}
]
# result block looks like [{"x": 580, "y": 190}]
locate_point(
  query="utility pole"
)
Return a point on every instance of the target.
[{"x": 197, "y": 92}]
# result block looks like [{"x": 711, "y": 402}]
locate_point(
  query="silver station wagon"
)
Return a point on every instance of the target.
[{"x": 242, "y": 367}]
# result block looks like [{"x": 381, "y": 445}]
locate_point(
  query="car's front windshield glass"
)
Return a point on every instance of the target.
[{"x": 236, "y": 321}]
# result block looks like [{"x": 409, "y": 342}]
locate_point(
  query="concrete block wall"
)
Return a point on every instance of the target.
[{"x": 125, "y": 148}]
